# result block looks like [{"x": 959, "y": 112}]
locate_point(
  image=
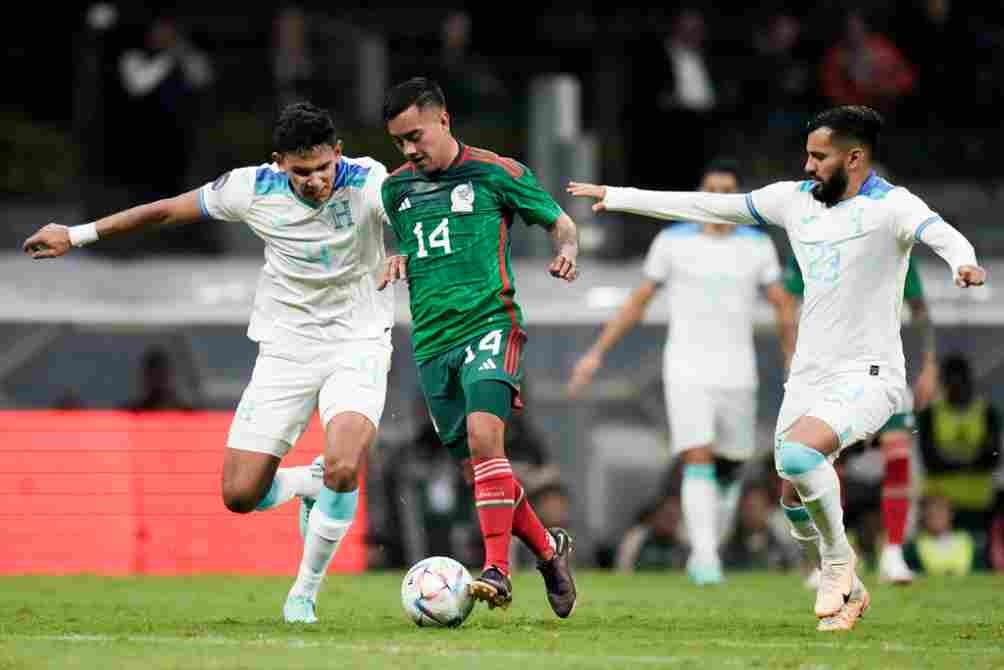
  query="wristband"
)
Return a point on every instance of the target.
[{"x": 83, "y": 234}]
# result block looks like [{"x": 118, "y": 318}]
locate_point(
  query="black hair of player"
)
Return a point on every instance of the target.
[
  {"x": 419, "y": 91},
  {"x": 724, "y": 165},
  {"x": 851, "y": 123},
  {"x": 301, "y": 127}
]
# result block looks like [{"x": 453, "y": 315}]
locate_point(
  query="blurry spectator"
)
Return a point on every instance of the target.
[
  {"x": 337, "y": 65},
  {"x": 654, "y": 542},
  {"x": 944, "y": 73},
  {"x": 939, "y": 550},
  {"x": 294, "y": 67},
  {"x": 164, "y": 80},
  {"x": 473, "y": 90},
  {"x": 865, "y": 68},
  {"x": 673, "y": 95},
  {"x": 960, "y": 437},
  {"x": 785, "y": 73},
  {"x": 158, "y": 387},
  {"x": 756, "y": 544}
]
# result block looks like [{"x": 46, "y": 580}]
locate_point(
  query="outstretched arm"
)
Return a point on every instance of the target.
[
  {"x": 613, "y": 332},
  {"x": 55, "y": 240},
  {"x": 696, "y": 206},
  {"x": 566, "y": 249},
  {"x": 955, "y": 249}
]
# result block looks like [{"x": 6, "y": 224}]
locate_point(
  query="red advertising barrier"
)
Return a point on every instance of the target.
[{"x": 122, "y": 493}]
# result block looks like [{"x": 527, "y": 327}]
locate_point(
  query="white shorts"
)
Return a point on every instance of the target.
[
  {"x": 722, "y": 417},
  {"x": 854, "y": 405},
  {"x": 290, "y": 381}
]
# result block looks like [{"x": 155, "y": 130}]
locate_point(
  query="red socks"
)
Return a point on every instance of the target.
[
  {"x": 896, "y": 490},
  {"x": 494, "y": 495},
  {"x": 528, "y": 528}
]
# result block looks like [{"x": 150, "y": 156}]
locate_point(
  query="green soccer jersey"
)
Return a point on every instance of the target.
[
  {"x": 454, "y": 228},
  {"x": 795, "y": 285}
]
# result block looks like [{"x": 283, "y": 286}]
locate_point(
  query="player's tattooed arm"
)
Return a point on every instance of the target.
[
  {"x": 927, "y": 383},
  {"x": 566, "y": 249}
]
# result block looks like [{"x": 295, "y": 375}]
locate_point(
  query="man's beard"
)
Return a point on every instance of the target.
[{"x": 830, "y": 192}]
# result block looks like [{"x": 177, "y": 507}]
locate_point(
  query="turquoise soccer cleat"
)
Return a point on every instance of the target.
[{"x": 299, "y": 609}]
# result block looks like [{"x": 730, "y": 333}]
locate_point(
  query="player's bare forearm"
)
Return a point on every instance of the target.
[
  {"x": 565, "y": 237},
  {"x": 54, "y": 240},
  {"x": 180, "y": 209},
  {"x": 920, "y": 316}
]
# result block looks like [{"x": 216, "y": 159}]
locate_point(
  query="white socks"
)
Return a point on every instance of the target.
[
  {"x": 303, "y": 480},
  {"x": 329, "y": 521},
  {"x": 819, "y": 488},
  {"x": 699, "y": 500}
]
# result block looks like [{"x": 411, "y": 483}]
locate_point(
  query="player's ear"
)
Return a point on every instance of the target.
[
  {"x": 277, "y": 158},
  {"x": 444, "y": 119},
  {"x": 855, "y": 157},
  {"x": 338, "y": 148}
]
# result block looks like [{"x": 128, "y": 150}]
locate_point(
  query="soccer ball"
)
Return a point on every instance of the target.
[{"x": 436, "y": 592}]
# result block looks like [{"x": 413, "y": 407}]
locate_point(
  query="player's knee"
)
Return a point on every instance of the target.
[
  {"x": 485, "y": 441},
  {"x": 797, "y": 459},
  {"x": 340, "y": 476},
  {"x": 239, "y": 499}
]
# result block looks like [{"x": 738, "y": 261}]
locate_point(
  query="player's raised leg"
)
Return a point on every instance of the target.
[
  {"x": 347, "y": 437},
  {"x": 801, "y": 458},
  {"x": 804, "y": 531}
]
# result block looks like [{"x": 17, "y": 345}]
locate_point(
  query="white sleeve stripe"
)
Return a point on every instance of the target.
[
  {"x": 753, "y": 211},
  {"x": 925, "y": 224}
]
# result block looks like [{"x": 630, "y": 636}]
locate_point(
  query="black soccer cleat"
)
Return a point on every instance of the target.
[
  {"x": 492, "y": 587},
  {"x": 557, "y": 574}
]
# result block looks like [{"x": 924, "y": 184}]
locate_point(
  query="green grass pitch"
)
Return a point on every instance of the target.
[{"x": 643, "y": 621}]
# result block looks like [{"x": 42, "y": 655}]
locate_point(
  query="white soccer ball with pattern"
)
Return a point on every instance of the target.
[{"x": 436, "y": 592}]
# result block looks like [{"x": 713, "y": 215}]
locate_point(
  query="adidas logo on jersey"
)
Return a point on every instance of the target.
[
  {"x": 405, "y": 204},
  {"x": 489, "y": 364}
]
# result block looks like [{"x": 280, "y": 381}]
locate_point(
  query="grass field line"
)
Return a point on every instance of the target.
[
  {"x": 411, "y": 649},
  {"x": 393, "y": 649}
]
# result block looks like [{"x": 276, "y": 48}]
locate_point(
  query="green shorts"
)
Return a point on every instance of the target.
[
  {"x": 903, "y": 421},
  {"x": 450, "y": 383}
]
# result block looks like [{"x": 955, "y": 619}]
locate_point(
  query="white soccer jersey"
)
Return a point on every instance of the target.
[
  {"x": 853, "y": 255},
  {"x": 711, "y": 283},
  {"x": 322, "y": 262}
]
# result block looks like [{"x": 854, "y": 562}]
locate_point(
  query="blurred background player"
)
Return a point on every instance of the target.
[
  {"x": 853, "y": 231},
  {"x": 451, "y": 206},
  {"x": 322, "y": 328},
  {"x": 896, "y": 437},
  {"x": 713, "y": 272}
]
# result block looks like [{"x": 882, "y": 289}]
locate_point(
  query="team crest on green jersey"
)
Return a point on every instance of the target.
[{"x": 462, "y": 198}]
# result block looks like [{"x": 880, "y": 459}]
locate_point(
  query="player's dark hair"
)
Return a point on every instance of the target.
[
  {"x": 725, "y": 165},
  {"x": 419, "y": 91},
  {"x": 301, "y": 127},
  {"x": 851, "y": 122}
]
